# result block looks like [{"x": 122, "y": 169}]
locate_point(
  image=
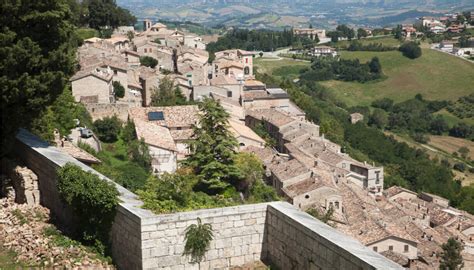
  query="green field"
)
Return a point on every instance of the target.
[
  {"x": 284, "y": 68},
  {"x": 435, "y": 75}
]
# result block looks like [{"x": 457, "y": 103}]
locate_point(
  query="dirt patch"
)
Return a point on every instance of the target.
[{"x": 452, "y": 144}]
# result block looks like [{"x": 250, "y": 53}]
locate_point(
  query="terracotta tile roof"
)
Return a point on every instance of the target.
[
  {"x": 223, "y": 80},
  {"x": 154, "y": 135},
  {"x": 77, "y": 152},
  {"x": 274, "y": 117},
  {"x": 99, "y": 73},
  {"x": 174, "y": 116},
  {"x": 286, "y": 170},
  {"x": 265, "y": 154},
  {"x": 241, "y": 130}
]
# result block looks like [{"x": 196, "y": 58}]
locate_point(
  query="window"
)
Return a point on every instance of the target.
[
  {"x": 377, "y": 178},
  {"x": 246, "y": 60},
  {"x": 306, "y": 196},
  {"x": 337, "y": 205},
  {"x": 229, "y": 93},
  {"x": 406, "y": 248},
  {"x": 390, "y": 248},
  {"x": 151, "y": 49},
  {"x": 145, "y": 50},
  {"x": 115, "y": 72},
  {"x": 246, "y": 70},
  {"x": 375, "y": 248}
]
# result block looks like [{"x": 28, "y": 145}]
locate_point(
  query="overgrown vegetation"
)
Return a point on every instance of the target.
[
  {"x": 328, "y": 68},
  {"x": 198, "y": 237},
  {"x": 264, "y": 40},
  {"x": 148, "y": 61},
  {"x": 373, "y": 47},
  {"x": 37, "y": 53},
  {"x": 214, "y": 175},
  {"x": 167, "y": 94},
  {"x": 108, "y": 128},
  {"x": 93, "y": 202},
  {"x": 119, "y": 90},
  {"x": 324, "y": 216},
  {"x": 61, "y": 115},
  {"x": 451, "y": 257}
]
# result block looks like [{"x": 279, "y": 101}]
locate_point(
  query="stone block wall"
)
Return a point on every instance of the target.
[
  {"x": 276, "y": 233},
  {"x": 295, "y": 240},
  {"x": 101, "y": 110},
  {"x": 238, "y": 236}
]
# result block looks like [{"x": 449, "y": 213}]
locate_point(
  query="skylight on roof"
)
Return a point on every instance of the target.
[{"x": 155, "y": 116}]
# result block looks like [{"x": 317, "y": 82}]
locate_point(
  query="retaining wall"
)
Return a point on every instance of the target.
[{"x": 276, "y": 233}]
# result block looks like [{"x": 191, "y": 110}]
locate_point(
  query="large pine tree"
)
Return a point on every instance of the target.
[
  {"x": 213, "y": 149},
  {"x": 36, "y": 59}
]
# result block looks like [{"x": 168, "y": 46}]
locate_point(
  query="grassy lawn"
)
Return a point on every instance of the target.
[
  {"x": 435, "y": 75},
  {"x": 85, "y": 33},
  {"x": 280, "y": 68},
  {"x": 453, "y": 119}
]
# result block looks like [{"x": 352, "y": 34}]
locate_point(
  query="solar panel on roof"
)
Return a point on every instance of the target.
[{"x": 155, "y": 116}]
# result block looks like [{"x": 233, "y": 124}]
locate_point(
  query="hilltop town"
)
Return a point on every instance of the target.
[{"x": 154, "y": 83}]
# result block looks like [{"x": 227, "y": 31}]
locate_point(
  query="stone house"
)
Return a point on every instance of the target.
[
  {"x": 171, "y": 136},
  {"x": 244, "y": 135},
  {"x": 119, "y": 43},
  {"x": 93, "y": 86},
  {"x": 309, "y": 32},
  {"x": 132, "y": 58},
  {"x": 403, "y": 246},
  {"x": 194, "y": 42},
  {"x": 238, "y": 63},
  {"x": 322, "y": 51},
  {"x": 356, "y": 117}
]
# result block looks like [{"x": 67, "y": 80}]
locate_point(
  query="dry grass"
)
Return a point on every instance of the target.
[{"x": 451, "y": 144}]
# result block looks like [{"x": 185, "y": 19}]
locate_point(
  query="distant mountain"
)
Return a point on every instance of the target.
[{"x": 284, "y": 13}]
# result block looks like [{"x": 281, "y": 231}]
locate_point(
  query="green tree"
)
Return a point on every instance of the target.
[
  {"x": 451, "y": 258},
  {"x": 139, "y": 153},
  {"x": 119, "y": 90},
  {"x": 378, "y": 118},
  {"x": 128, "y": 132},
  {"x": 130, "y": 35},
  {"x": 108, "y": 128},
  {"x": 105, "y": 14},
  {"x": 375, "y": 66},
  {"x": 251, "y": 169},
  {"x": 213, "y": 148},
  {"x": 148, "y": 61},
  {"x": 410, "y": 50},
  {"x": 324, "y": 217},
  {"x": 397, "y": 32},
  {"x": 167, "y": 94},
  {"x": 61, "y": 115},
  {"x": 361, "y": 33},
  {"x": 37, "y": 48}
]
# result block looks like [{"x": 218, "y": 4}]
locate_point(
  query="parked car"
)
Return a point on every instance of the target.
[{"x": 86, "y": 133}]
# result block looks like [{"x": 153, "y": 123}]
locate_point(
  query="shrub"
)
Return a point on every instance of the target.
[
  {"x": 459, "y": 167},
  {"x": 139, "y": 153},
  {"x": 119, "y": 90},
  {"x": 148, "y": 61},
  {"x": 92, "y": 200},
  {"x": 410, "y": 50},
  {"x": 108, "y": 128}
]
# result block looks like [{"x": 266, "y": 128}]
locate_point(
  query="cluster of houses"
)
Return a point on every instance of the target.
[{"x": 302, "y": 165}]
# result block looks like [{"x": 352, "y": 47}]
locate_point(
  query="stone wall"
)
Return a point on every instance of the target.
[
  {"x": 276, "y": 233},
  {"x": 101, "y": 110},
  {"x": 238, "y": 237},
  {"x": 295, "y": 240},
  {"x": 24, "y": 182}
]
